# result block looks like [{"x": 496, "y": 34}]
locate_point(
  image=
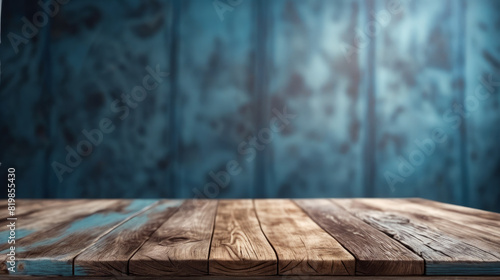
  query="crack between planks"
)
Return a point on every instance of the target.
[
  {"x": 310, "y": 217},
  {"x": 212, "y": 238},
  {"x": 149, "y": 237},
  {"x": 270, "y": 244},
  {"x": 111, "y": 229}
]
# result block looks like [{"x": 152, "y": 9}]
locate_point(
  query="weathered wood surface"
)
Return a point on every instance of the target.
[
  {"x": 48, "y": 245},
  {"x": 255, "y": 239},
  {"x": 457, "y": 209},
  {"x": 238, "y": 246},
  {"x": 302, "y": 247},
  {"x": 210, "y": 277},
  {"x": 26, "y": 206},
  {"x": 375, "y": 252},
  {"x": 129, "y": 277},
  {"x": 110, "y": 255},
  {"x": 36, "y": 222},
  {"x": 448, "y": 248},
  {"x": 485, "y": 238},
  {"x": 181, "y": 245},
  {"x": 489, "y": 226}
]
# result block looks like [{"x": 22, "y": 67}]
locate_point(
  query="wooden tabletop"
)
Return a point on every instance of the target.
[{"x": 250, "y": 238}]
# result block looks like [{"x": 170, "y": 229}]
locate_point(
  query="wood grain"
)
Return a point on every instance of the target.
[
  {"x": 303, "y": 248},
  {"x": 110, "y": 255},
  {"x": 489, "y": 226},
  {"x": 238, "y": 245},
  {"x": 33, "y": 219},
  {"x": 27, "y": 206},
  {"x": 37, "y": 212},
  {"x": 60, "y": 237},
  {"x": 483, "y": 238},
  {"x": 254, "y": 239},
  {"x": 462, "y": 210},
  {"x": 181, "y": 245},
  {"x": 443, "y": 252},
  {"x": 375, "y": 252},
  {"x": 213, "y": 277}
]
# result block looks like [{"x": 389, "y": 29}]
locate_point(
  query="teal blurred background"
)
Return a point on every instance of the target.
[{"x": 252, "y": 99}]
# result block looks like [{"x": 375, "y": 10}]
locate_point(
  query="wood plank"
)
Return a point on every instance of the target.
[
  {"x": 212, "y": 277},
  {"x": 375, "y": 252},
  {"x": 457, "y": 209},
  {"x": 429, "y": 228},
  {"x": 110, "y": 255},
  {"x": 490, "y": 226},
  {"x": 238, "y": 245},
  {"x": 29, "y": 206},
  {"x": 51, "y": 249},
  {"x": 444, "y": 252},
  {"x": 180, "y": 246},
  {"x": 303, "y": 248},
  {"x": 33, "y": 219},
  {"x": 485, "y": 238}
]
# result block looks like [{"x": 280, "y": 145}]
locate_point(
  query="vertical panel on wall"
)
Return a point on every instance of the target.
[
  {"x": 481, "y": 105},
  {"x": 173, "y": 139},
  {"x": 110, "y": 65},
  {"x": 366, "y": 40},
  {"x": 25, "y": 103},
  {"x": 417, "y": 143},
  {"x": 316, "y": 76},
  {"x": 215, "y": 99},
  {"x": 458, "y": 72},
  {"x": 262, "y": 43}
]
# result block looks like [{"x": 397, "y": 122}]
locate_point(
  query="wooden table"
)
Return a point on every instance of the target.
[{"x": 256, "y": 239}]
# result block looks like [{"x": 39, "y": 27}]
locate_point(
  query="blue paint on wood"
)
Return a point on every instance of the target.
[
  {"x": 61, "y": 262},
  {"x": 486, "y": 268},
  {"x": 20, "y": 233},
  {"x": 43, "y": 267},
  {"x": 133, "y": 225}
]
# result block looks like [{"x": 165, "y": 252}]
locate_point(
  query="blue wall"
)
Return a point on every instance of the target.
[{"x": 253, "y": 99}]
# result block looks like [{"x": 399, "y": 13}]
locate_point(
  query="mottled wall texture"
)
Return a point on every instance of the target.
[{"x": 242, "y": 98}]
